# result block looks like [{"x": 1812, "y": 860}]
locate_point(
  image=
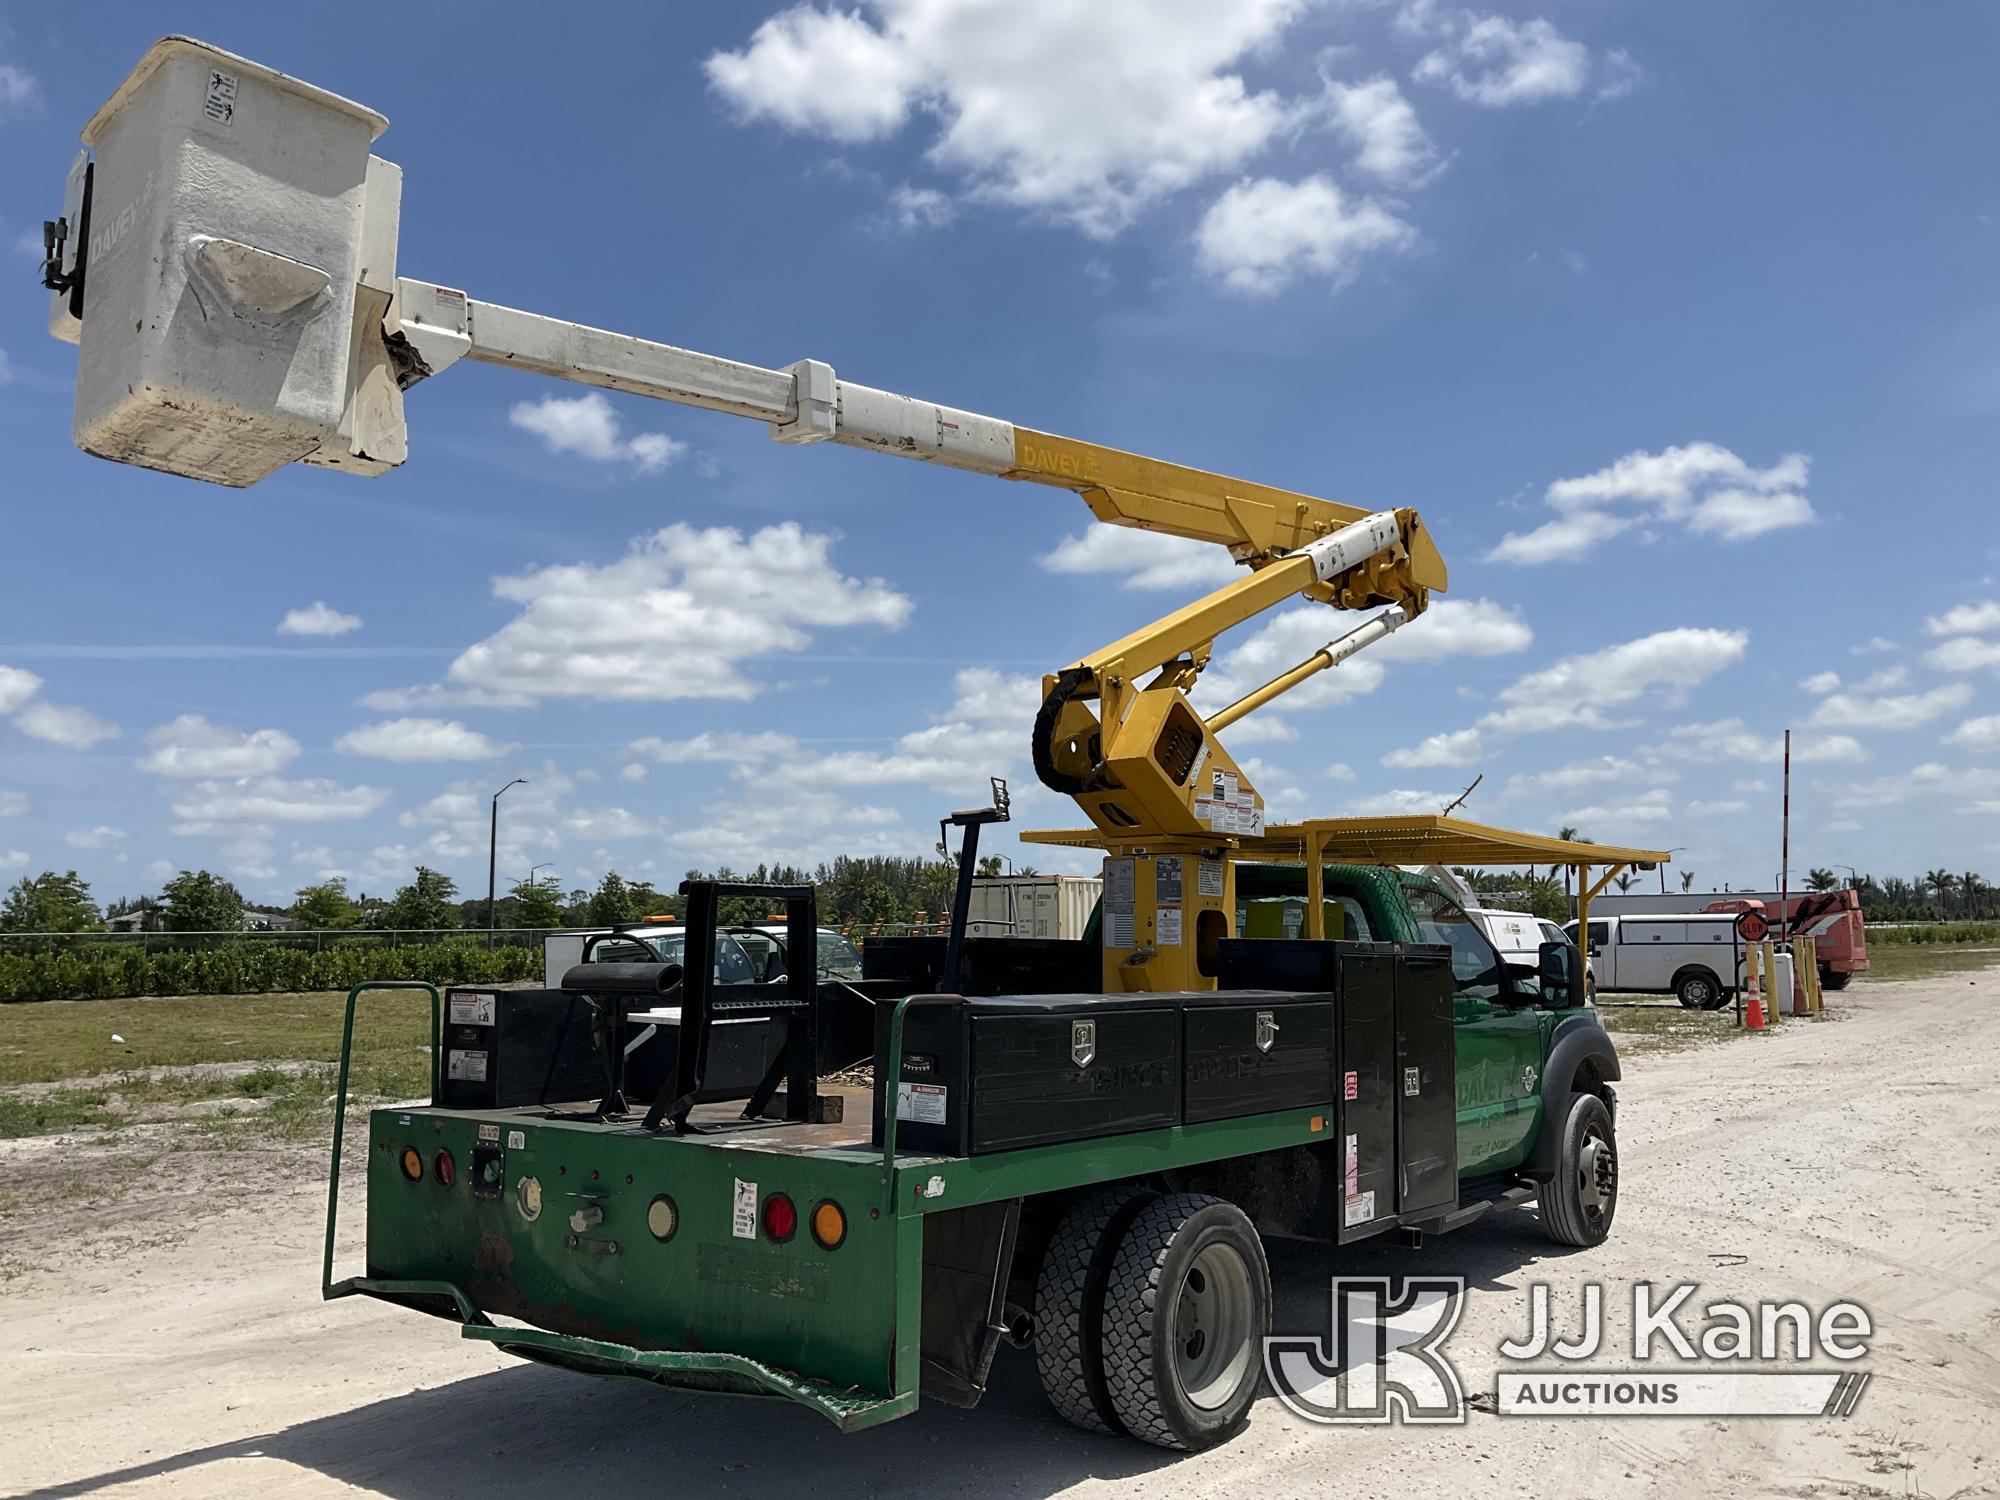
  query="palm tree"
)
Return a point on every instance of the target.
[
  {"x": 1687, "y": 880},
  {"x": 1625, "y": 883},
  {"x": 1568, "y": 836},
  {"x": 1970, "y": 888},
  {"x": 1940, "y": 883},
  {"x": 1818, "y": 879}
]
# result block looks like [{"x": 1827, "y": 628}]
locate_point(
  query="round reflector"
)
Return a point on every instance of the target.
[
  {"x": 829, "y": 1224},
  {"x": 444, "y": 1169},
  {"x": 528, "y": 1198},
  {"x": 781, "y": 1219},
  {"x": 413, "y": 1164},
  {"x": 662, "y": 1218}
]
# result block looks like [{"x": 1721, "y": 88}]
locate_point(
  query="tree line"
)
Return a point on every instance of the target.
[{"x": 877, "y": 888}]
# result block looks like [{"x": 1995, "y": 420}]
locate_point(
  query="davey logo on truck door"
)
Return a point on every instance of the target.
[{"x": 1083, "y": 1043}]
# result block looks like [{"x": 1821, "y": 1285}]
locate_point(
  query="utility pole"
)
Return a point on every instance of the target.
[
  {"x": 1785, "y": 850},
  {"x": 493, "y": 853}
]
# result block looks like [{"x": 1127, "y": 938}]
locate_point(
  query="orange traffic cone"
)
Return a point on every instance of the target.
[{"x": 1753, "y": 1006}]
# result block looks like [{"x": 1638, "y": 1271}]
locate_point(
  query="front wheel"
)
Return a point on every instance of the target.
[
  {"x": 1186, "y": 1310},
  {"x": 1581, "y": 1200}
]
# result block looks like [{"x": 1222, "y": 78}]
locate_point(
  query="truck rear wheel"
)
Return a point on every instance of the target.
[
  {"x": 1186, "y": 1311},
  {"x": 1069, "y": 1303},
  {"x": 1831, "y": 979},
  {"x": 1582, "y": 1198},
  {"x": 1698, "y": 989}
]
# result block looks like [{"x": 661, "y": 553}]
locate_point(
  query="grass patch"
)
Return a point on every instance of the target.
[
  {"x": 52, "y": 1040},
  {"x": 1887, "y": 965},
  {"x": 65, "y": 1110},
  {"x": 1926, "y": 934},
  {"x": 1642, "y": 1028}
]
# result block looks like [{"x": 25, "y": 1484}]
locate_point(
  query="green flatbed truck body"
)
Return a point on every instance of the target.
[
  {"x": 717, "y": 1305},
  {"x": 742, "y": 1312}
]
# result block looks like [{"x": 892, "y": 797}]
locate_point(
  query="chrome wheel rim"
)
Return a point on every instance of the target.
[
  {"x": 1596, "y": 1175},
  {"x": 1212, "y": 1327}
]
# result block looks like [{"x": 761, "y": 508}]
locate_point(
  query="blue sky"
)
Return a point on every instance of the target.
[{"x": 1678, "y": 324}]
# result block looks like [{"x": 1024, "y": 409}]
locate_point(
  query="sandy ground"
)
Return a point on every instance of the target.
[{"x": 1857, "y": 1157}]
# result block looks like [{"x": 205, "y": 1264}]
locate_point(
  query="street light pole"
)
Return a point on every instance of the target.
[{"x": 493, "y": 854}]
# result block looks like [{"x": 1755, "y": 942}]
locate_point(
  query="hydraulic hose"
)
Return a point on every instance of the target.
[{"x": 1068, "y": 683}]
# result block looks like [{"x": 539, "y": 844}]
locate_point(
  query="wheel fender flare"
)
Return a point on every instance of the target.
[{"x": 1577, "y": 1040}]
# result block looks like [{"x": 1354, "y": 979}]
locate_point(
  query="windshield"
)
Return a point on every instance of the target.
[
  {"x": 1475, "y": 966},
  {"x": 838, "y": 958}
]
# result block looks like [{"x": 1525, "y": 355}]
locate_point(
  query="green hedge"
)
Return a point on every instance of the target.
[
  {"x": 251, "y": 969},
  {"x": 1925, "y": 933}
]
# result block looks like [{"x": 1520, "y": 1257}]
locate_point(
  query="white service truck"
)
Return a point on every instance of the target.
[{"x": 1689, "y": 955}]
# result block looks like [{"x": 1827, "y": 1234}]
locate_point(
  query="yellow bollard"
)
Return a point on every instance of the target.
[{"x": 1774, "y": 1004}]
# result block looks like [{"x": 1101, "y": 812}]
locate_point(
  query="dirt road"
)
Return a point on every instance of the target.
[{"x": 1857, "y": 1157}]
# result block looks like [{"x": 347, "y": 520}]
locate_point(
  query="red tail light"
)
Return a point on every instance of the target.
[
  {"x": 444, "y": 1169},
  {"x": 781, "y": 1219}
]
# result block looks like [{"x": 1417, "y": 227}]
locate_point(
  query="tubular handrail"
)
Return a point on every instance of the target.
[
  {"x": 340, "y": 1098},
  {"x": 892, "y": 1062}
]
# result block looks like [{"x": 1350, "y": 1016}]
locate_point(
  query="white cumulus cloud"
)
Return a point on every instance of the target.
[
  {"x": 1909, "y": 711},
  {"x": 1700, "y": 486},
  {"x": 17, "y": 686},
  {"x": 1262, "y": 233},
  {"x": 1494, "y": 61},
  {"x": 1982, "y": 733},
  {"x": 1381, "y": 125},
  {"x": 1976, "y": 618},
  {"x": 1456, "y": 747},
  {"x": 418, "y": 740},
  {"x": 1573, "y": 693},
  {"x": 191, "y": 747},
  {"x": 587, "y": 426},
  {"x": 207, "y": 806},
  {"x": 73, "y": 728},
  {"x": 679, "y": 616},
  {"x": 1087, "y": 113},
  {"x": 318, "y": 618},
  {"x": 1143, "y": 559}
]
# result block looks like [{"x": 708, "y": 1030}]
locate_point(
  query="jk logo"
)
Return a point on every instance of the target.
[{"x": 1381, "y": 1360}]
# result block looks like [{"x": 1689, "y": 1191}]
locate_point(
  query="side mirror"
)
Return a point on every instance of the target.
[{"x": 1557, "y": 968}]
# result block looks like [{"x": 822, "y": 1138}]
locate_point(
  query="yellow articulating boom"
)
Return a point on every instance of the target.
[{"x": 283, "y": 231}]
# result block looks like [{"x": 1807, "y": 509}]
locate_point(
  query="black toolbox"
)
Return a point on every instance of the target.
[
  {"x": 1248, "y": 1052},
  {"x": 502, "y": 1048},
  {"x": 1395, "y": 1095},
  {"x": 1002, "y": 1072}
]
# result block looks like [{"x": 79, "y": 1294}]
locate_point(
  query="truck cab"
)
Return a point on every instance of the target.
[{"x": 1507, "y": 1026}]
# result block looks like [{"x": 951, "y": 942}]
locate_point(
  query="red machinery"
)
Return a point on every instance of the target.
[{"x": 1832, "y": 919}]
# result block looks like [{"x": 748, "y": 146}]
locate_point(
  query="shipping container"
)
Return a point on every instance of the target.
[{"x": 1033, "y": 906}]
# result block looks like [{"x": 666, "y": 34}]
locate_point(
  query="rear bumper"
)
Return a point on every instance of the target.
[{"x": 726, "y": 1374}]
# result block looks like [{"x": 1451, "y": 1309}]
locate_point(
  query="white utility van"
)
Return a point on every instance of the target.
[{"x": 1691, "y": 956}]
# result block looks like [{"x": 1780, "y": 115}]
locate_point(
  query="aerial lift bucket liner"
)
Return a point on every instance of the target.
[{"x": 224, "y": 250}]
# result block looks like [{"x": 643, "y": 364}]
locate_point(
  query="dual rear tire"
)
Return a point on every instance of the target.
[{"x": 1151, "y": 1313}]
